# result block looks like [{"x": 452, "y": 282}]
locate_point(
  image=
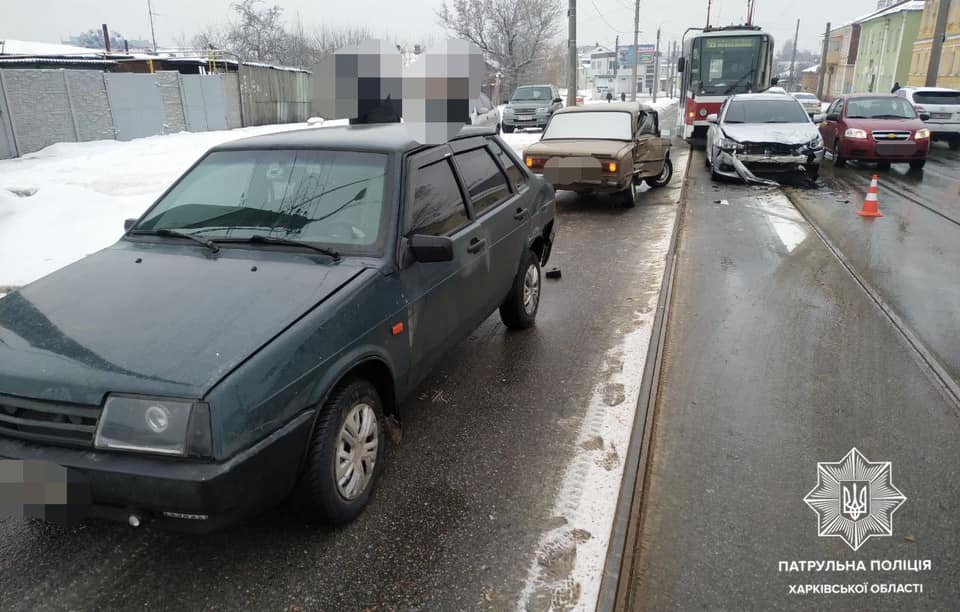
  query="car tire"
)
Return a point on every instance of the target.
[
  {"x": 354, "y": 409},
  {"x": 838, "y": 161},
  {"x": 627, "y": 197},
  {"x": 519, "y": 310},
  {"x": 714, "y": 175},
  {"x": 918, "y": 164},
  {"x": 665, "y": 175},
  {"x": 507, "y": 129}
]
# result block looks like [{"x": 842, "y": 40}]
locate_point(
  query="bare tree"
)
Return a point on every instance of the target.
[
  {"x": 514, "y": 33},
  {"x": 259, "y": 34}
]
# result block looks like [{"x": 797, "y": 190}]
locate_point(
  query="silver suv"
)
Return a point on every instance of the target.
[
  {"x": 943, "y": 106},
  {"x": 531, "y": 107}
]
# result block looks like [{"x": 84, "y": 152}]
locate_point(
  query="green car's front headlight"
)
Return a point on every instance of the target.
[{"x": 162, "y": 426}]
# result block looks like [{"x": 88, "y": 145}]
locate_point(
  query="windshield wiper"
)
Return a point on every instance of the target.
[
  {"x": 890, "y": 117},
  {"x": 177, "y": 234},
  {"x": 261, "y": 239}
]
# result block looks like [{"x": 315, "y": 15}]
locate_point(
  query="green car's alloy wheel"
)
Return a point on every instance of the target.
[
  {"x": 519, "y": 310},
  {"x": 345, "y": 454}
]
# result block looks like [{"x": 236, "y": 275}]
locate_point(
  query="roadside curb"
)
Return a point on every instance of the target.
[
  {"x": 615, "y": 584},
  {"x": 927, "y": 360}
]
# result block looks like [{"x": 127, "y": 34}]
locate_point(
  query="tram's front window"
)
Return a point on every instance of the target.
[{"x": 728, "y": 65}]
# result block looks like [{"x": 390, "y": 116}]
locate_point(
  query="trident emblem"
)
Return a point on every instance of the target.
[{"x": 855, "y": 499}]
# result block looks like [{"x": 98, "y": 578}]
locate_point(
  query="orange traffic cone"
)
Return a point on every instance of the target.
[{"x": 870, "y": 204}]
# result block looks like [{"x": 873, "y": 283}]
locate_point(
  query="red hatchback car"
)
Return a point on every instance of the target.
[{"x": 875, "y": 127}]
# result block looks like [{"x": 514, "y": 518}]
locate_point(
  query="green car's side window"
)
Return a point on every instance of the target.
[{"x": 437, "y": 208}]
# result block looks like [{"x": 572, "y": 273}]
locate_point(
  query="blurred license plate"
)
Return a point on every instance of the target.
[
  {"x": 525, "y": 118},
  {"x": 41, "y": 490},
  {"x": 940, "y": 115}
]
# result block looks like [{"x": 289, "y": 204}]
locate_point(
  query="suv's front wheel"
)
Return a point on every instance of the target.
[
  {"x": 345, "y": 454},
  {"x": 519, "y": 310}
]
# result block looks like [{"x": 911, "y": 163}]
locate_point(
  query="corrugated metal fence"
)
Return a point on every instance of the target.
[
  {"x": 40, "y": 107},
  {"x": 273, "y": 95}
]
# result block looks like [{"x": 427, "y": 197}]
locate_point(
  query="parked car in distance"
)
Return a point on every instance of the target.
[
  {"x": 810, "y": 102},
  {"x": 943, "y": 106},
  {"x": 249, "y": 334},
  {"x": 484, "y": 113},
  {"x": 531, "y": 107},
  {"x": 767, "y": 132},
  {"x": 882, "y": 128},
  {"x": 603, "y": 148}
]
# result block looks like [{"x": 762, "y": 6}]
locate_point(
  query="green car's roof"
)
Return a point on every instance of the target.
[{"x": 380, "y": 138}]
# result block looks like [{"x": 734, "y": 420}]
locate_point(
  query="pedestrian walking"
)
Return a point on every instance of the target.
[
  {"x": 609, "y": 97},
  {"x": 623, "y": 96}
]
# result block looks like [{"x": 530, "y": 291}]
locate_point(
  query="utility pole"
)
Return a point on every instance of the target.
[
  {"x": 936, "y": 45},
  {"x": 656, "y": 68},
  {"x": 793, "y": 58},
  {"x": 616, "y": 65},
  {"x": 106, "y": 37},
  {"x": 152, "y": 33},
  {"x": 636, "y": 41},
  {"x": 708, "y": 13},
  {"x": 823, "y": 62},
  {"x": 572, "y": 49}
]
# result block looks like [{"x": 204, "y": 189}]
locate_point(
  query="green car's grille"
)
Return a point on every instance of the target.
[{"x": 49, "y": 422}]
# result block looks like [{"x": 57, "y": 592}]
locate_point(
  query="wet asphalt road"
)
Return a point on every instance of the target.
[
  {"x": 775, "y": 359},
  {"x": 463, "y": 499},
  {"x": 911, "y": 255}
]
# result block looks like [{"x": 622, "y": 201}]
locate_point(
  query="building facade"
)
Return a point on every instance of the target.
[
  {"x": 841, "y": 61},
  {"x": 886, "y": 47},
  {"x": 949, "y": 72}
]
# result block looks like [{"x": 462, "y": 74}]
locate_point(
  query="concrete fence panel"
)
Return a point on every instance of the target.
[
  {"x": 231, "y": 96},
  {"x": 39, "y": 108},
  {"x": 137, "y": 105}
]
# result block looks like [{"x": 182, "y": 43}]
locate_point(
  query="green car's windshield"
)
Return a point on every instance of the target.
[
  {"x": 531, "y": 94},
  {"x": 331, "y": 198}
]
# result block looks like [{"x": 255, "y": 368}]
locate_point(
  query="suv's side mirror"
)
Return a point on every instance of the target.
[
  {"x": 818, "y": 118},
  {"x": 128, "y": 224},
  {"x": 557, "y": 100},
  {"x": 924, "y": 116},
  {"x": 713, "y": 118},
  {"x": 832, "y": 117},
  {"x": 681, "y": 63},
  {"x": 506, "y": 102},
  {"x": 774, "y": 81},
  {"x": 429, "y": 249}
]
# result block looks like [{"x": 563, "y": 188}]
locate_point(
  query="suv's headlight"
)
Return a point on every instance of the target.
[
  {"x": 816, "y": 142},
  {"x": 543, "y": 110},
  {"x": 855, "y": 133},
  {"x": 922, "y": 134},
  {"x": 729, "y": 144},
  {"x": 155, "y": 425},
  {"x": 507, "y": 110}
]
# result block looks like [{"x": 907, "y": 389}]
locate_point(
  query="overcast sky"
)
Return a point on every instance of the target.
[{"x": 598, "y": 20}]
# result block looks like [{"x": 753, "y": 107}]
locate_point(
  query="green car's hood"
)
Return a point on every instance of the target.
[{"x": 173, "y": 323}]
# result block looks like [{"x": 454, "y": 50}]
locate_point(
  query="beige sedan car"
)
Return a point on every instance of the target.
[{"x": 603, "y": 148}]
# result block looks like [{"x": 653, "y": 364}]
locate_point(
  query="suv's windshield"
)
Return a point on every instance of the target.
[
  {"x": 531, "y": 94},
  {"x": 937, "y": 97},
  {"x": 880, "y": 108},
  {"x": 601, "y": 125},
  {"x": 326, "y": 197},
  {"x": 766, "y": 111}
]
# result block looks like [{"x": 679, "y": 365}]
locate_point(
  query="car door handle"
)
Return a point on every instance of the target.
[
  {"x": 521, "y": 214},
  {"x": 476, "y": 245}
]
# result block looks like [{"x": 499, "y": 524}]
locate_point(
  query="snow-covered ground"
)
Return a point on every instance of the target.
[{"x": 69, "y": 200}]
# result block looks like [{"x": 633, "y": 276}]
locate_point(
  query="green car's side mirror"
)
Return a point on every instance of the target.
[{"x": 430, "y": 249}]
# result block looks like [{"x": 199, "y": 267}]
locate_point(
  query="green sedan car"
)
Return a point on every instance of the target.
[{"x": 249, "y": 335}]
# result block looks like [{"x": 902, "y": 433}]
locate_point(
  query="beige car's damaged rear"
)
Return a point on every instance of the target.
[{"x": 602, "y": 148}]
